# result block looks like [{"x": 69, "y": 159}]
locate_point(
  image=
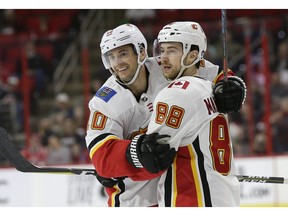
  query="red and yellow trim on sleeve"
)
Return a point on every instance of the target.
[
  {"x": 108, "y": 155},
  {"x": 100, "y": 143}
]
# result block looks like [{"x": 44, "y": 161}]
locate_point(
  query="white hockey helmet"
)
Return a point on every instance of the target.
[
  {"x": 123, "y": 35},
  {"x": 188, "y": 33}
]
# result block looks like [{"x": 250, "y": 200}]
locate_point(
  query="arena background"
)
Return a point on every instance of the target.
[{"x": 50, "y": 58}]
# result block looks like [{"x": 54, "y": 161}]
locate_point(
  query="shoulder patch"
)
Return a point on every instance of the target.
[
  {"x": 179, "y": 84},
  {"x": 105, "y": 93}
]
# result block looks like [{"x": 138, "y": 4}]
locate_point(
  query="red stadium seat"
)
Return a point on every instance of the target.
[
  {"x": 46, "y": 51},
  {"x": 10, "y": 67},
  {"x": 193, "y": 14},
  {"x": 60, "y": 22},
  {"x": 6, "y": 40},
  {"x": 32, "y": 24},
  {"x": 13, "y": 54},
  {"x": 167, "y": 16}
]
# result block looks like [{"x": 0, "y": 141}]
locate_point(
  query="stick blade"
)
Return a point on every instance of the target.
[{"x": 10, "y": 152}]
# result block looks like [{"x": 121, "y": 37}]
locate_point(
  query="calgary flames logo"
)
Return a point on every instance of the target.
[{"x": 141, "y": 131}]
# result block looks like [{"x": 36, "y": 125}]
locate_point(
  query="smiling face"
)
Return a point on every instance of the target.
[
  {"x": 171, "y": 54},
  {"x": 123, "y": 61}
]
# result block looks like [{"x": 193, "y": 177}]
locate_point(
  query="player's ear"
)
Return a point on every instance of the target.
[
  {"x": 191, "y": 56},
  {"x": 143, "y": 53}
]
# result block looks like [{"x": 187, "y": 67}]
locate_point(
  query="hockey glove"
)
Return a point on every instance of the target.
[
  {"x": 230, "y": 95},
  {"x": 107, "y": 182},
  {"x": 151, "y": 152}
]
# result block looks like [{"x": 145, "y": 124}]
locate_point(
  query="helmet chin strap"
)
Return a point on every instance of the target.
[
  {"x": 183, "y": 67},
  {"x": 136, "y": 73}
]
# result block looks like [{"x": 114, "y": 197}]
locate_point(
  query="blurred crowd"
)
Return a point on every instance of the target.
[{"x": 58, "y": 138}]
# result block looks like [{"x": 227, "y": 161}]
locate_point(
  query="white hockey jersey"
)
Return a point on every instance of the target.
[
  {"x": 203, "y": 173},
  {"x": 115, "y": 118},
  {"x": 116, "y": 115}
]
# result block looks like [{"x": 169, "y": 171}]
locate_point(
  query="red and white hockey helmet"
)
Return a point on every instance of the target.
[
  {"x": 123, "y": 35},
  {"x": 188, "y": 33}
]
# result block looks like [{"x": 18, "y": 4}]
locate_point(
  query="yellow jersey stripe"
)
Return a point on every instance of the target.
[
  {"x": 100, "y": 143},
  {"x": 196, "y": 176}
]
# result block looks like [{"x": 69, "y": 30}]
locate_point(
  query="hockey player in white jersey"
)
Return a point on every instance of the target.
[
  {"x": 119, "y": 111},
  {"x": 203, "y": 172}
]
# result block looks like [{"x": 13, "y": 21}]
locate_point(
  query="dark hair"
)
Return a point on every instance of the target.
[{"x": 142, "y": 46}]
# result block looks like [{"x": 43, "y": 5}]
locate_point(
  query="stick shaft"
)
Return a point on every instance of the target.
[{"x": 224, "y": 41}]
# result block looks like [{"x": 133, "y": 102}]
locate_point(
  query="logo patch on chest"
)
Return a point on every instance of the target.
[{"x": 105, "y": 93}]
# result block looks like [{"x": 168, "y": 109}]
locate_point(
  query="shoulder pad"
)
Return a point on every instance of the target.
[{"x": 208, "y": 70}]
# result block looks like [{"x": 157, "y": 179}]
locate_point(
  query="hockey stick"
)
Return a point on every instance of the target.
[
  {"x": 11, "y": 153},
  {"x": 262, "y": 179},
  {"x": 224, "y": 40}
]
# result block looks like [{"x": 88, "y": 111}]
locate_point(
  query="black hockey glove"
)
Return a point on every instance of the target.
[
  {"x": 230, "y": 95},
  {"x": 107, "y": 182},
  {"x": 151, "y": 152}
]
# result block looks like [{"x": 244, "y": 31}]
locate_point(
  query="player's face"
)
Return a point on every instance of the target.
[
  {"x": 123, "y": 61},
  {"x": 171, "y": 54}
]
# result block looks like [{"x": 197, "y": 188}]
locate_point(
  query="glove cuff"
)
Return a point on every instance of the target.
[
  {"x": 131, "y": 152},
  {"x": 221, "y": 75}
]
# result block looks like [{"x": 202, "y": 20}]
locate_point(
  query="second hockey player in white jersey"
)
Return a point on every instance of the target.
[{"x": 203, "y": 172}]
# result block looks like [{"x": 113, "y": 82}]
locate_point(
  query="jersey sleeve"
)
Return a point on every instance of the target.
[{"x": 107, "y": 148}]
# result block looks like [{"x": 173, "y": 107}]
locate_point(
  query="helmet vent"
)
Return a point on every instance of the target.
[
  {"x": 175, "y": 33},
  {"x": 124, "y": 38}
]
